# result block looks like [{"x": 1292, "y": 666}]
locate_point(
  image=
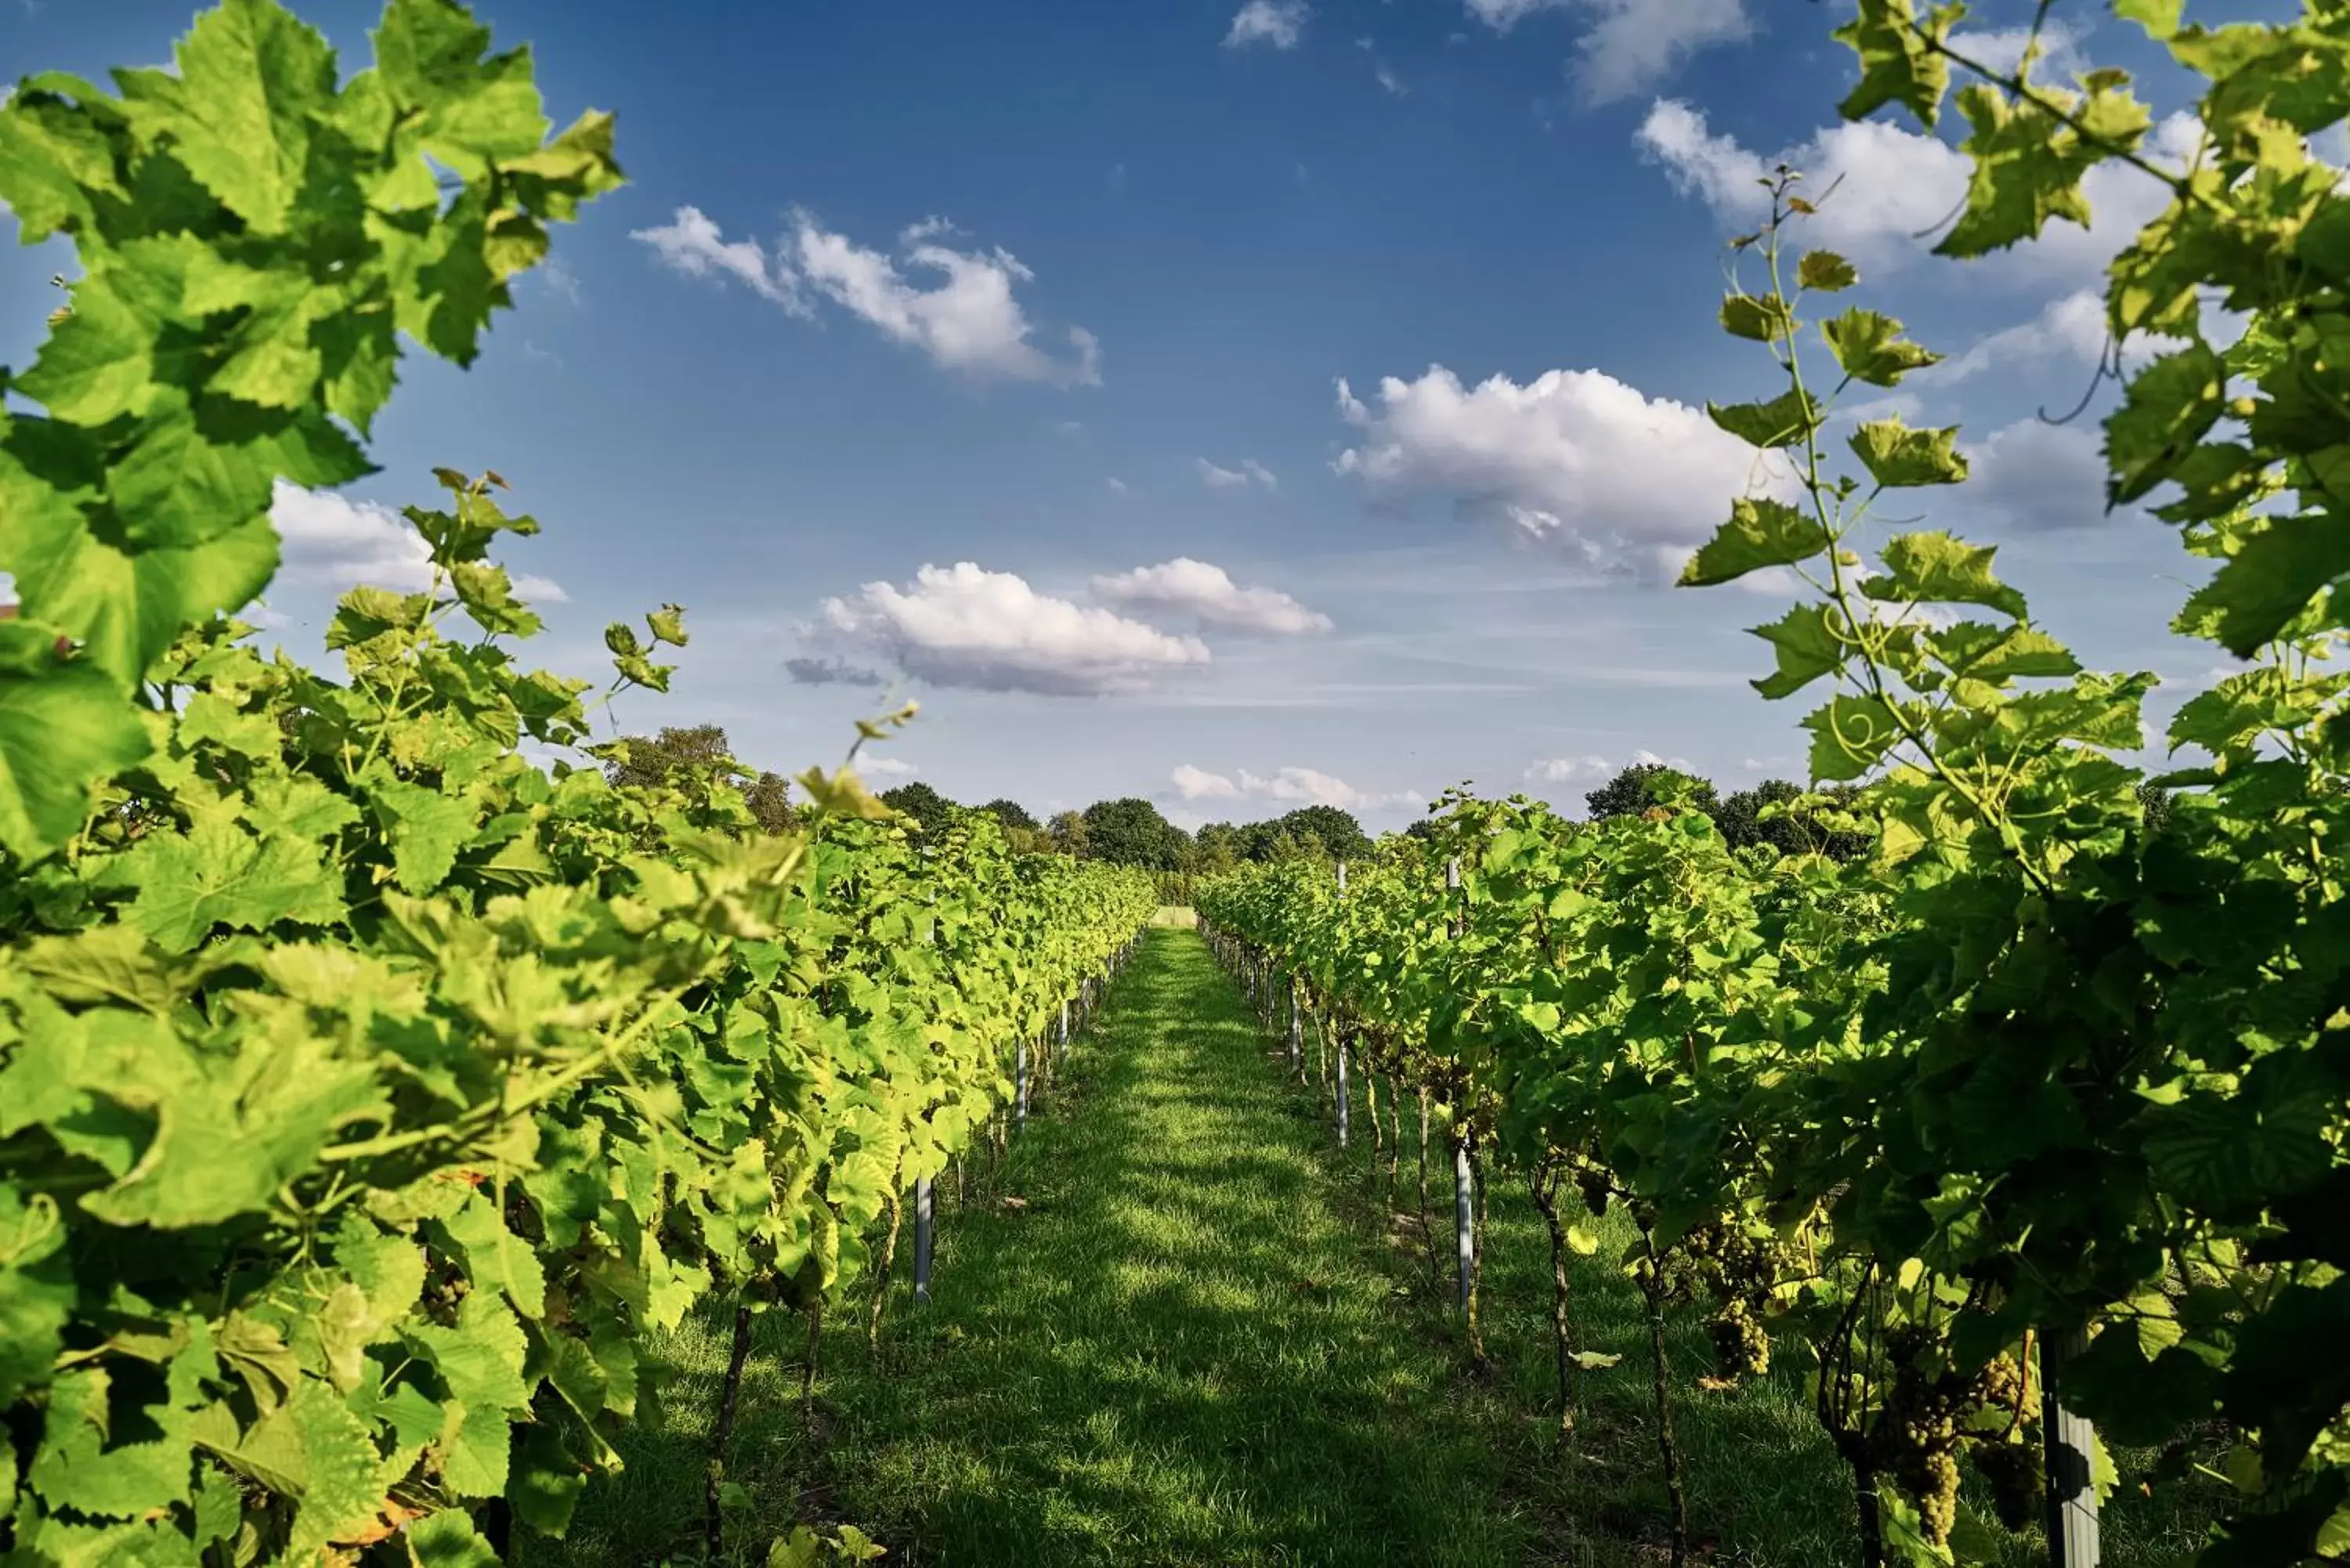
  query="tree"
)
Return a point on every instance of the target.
[
  {"x": 1628, "y": 792},
  {"x": 681, "y": 754},
  {"x": 1793, "y": 832},
  {"x": 1738, "y": 817},
  {"x": 1011, "y": 814},
  {"x": 926, "y": 806},
  {"x": 1339, "y": 834},
  {"x": 1216, "y": 847},
  {"x": 1132, "y": 832},
  {"x": 1068, "y": 835}
]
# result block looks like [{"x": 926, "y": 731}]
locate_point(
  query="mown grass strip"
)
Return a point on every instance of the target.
[{"x": 1180, "y": 1347}]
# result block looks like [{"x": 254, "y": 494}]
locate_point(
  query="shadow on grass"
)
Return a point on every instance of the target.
[
  {"x": 1211, "y": 1337},
  {"x": 1180, "y": 1351}
]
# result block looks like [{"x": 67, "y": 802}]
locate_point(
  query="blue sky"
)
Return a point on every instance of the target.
[{"x": 1068, "y": 293}]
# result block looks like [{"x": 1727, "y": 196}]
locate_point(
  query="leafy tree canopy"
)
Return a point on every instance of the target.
[
  {"x": 1634, "y": 790},
  {"x": 700, "y": 751},
  {"x": 1011, "y": 814},
  {"x": 926, "y": 806},
  {"x": 1132, "y": 832}
]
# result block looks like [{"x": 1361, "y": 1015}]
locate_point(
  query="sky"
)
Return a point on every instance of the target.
[{"x": 1239, "y": 405}]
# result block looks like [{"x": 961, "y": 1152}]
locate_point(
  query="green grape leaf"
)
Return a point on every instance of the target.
[
  {"x": 1782, "y": 422},
  {"x": 1826, "y": 271},
  {"x": 1850, "y": 735},
  {"x": 1936, "y": 568},
  {"x": 2166, "y": 409},
  {"x": 98, "y": 362},
  {"x": 78, "y": 1468},
  {"x": 1760, "y": 532},
  {"x": 2028, "y": 166},
  {"x": 1897, "y": 457},
  {"x": 2271, "y": 580},
  {"x": 1807, "y": 645},
  {"x": 2000, "y": 654},
  {"x": 314, "y": 1450},
  {"x": 1870, "y": 347},
  {"x": 1762, "y": 319},
  {"x": 61, "y": 731},
  {"x": 2158, "y": 17},
  {"x": 36, "y": 1287},
  {"x": 1899, "y": 63},
  {"x": 56, "y": 155},
  {"x": 426, "y": 827},
  {"x": 471, "y": 111},
  {"x": 546, "y": 1481},
  {"x": 239, "y": 108},
  {"x": 217, "y": 874},
  {"x": 448, "y": 1540}
]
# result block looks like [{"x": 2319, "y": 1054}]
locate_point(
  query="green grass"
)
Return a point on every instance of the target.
[{"x": 1205, "y": 1335}]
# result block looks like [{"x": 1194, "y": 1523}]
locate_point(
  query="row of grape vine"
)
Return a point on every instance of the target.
[
  {"x": 2036, "y": 1116},
  {"x": 378, "y": 1079}
]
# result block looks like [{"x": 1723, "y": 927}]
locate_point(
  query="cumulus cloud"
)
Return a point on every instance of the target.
[
  {"x": 1279, "y": 23},
  {"x": 1197, "y": 588},
  {"x": 1250, "y": 472},
  {"x": 331, "y": 543},
  {"x": 1629, "y": 45},
  {"x": 1575, "y": 458},
  {"x": 1897, "y": 185},
  {"x": 1287, "y": 786},
  {"x": 1198, "y": 783},
  {"x": 966, "y": 318},
  {"x": 1570, "y": 770},
  {"x": 962, "y": 626},
  {"x": 887, "y": 767},
  {"x": 691, "y": 243},
  {"x": 1594, "y": 770},
  {"x": 2038, "y": 476},
  {"x": 2001, "y": 48}
]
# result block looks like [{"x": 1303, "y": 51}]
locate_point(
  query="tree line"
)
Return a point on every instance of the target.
[{"x": 1131, "y": 831}]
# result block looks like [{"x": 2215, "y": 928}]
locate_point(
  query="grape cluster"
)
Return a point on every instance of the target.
[
  {"x": 1915, "y": 1437},
  {"x": 1736, "y": 1271}
]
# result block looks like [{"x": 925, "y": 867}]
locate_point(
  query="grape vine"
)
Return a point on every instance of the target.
[{"x": 370, "y": 1091}]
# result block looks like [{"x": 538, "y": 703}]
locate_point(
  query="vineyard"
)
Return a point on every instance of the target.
[{"x": 421, "y": 1143}]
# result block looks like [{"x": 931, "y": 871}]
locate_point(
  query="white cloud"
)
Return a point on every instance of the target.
[
  {"x": 968, "y": 321},
  {"x": 693, "y": 246},
  {"x": 961, "y": 626},
  {"x": 1635, "y": 44},
  {"x": 1280, "y": 23},
  {"x": 1897, "y": 190},
  {"x": 1570, "y": 770},
  {"x": 1288, "y": 786},
  {"x": 1575, "y": 458},
  {"x": 1121, "y": 487},
  {"x": 1197, "y": 588},
  {"x": 1198, "y": 783},
  {"x": 1250, "y": 472},
  {"x": 887, "y": 767},
  {"x": 2072, "y": 326},
  {"x": 329, "y": 542},
  {"x": 1629, "y": 44},
  {"x": 2038, "y": 476},
  {"x": 2001, "y": 48}
]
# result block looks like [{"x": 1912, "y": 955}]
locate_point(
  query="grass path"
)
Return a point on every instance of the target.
[
  {"x": 1178, "y": 1326},
  {"x": 1183, "y": 1347}
]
